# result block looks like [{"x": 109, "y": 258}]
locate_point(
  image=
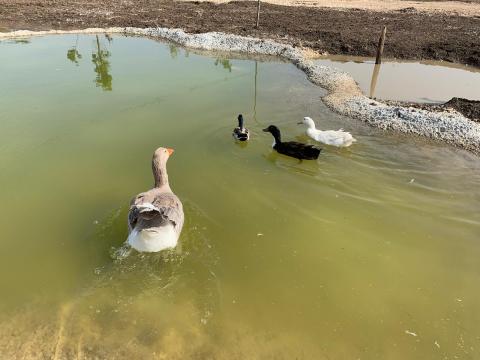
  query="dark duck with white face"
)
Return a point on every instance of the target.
[
  {"x": 241, "y": 133},
  {"x": 292, "y": 148}
]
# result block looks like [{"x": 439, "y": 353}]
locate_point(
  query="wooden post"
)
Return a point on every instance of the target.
[
  {"x": 381, "y": 42},
  {"x": 258, "y": 14}
]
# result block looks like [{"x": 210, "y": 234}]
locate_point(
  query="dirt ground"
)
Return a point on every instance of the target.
[
  {"x": 411, "y": 34},
  {"x": 454, "y": 7},
  {"x": 468, "y": 108}
]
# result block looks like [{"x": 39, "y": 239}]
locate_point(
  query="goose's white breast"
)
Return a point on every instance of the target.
[{"x": 153, "y": 239}]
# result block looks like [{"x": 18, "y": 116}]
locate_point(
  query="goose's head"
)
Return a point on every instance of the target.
[
  {"x": 308, "y": 122},
  {"x": 162, "y": 154},
  {"x": 272, "y": 129}
]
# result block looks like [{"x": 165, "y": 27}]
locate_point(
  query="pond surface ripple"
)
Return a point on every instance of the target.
[{"x": 370, "y": 252}]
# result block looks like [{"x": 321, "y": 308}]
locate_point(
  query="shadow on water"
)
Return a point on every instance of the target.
[{"x": 304, "y": 167}]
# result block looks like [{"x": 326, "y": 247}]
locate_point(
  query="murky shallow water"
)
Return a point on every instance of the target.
[
  {"x": 369, "y": 253},
  {"x": 425, "y": 82}
]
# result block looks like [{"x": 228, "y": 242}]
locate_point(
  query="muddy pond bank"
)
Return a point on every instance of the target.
[
  {"x": 411, "y": 34},
  {"x": 435, "y": 86},
  {"x": 468, "y": 108}
]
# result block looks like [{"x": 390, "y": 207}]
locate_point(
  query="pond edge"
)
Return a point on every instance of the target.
[{"x": 344, "y": 95}]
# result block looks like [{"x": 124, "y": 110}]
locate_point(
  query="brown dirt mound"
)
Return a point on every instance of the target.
[{"x": 469, "y": 108}]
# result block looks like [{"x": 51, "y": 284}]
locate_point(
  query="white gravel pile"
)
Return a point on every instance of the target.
[{"x": 344, "y": 96}]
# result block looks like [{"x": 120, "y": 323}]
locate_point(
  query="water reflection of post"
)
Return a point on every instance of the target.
[
  {"x": 255, "y": 95},
  {"x": 373, "y": 83}
]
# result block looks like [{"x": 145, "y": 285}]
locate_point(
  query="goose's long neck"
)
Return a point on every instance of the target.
[{"x": 160, "y": 175}]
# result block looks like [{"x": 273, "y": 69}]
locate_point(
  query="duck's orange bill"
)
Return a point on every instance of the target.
[{"x": 170, "y": 151}]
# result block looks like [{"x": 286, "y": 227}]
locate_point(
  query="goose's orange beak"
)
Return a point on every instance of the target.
[{"x": 170, "y": 151}]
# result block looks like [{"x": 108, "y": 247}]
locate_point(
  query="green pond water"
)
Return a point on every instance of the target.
[{"x": 371, "y": 252}]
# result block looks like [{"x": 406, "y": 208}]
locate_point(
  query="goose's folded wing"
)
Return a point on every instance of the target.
[
  {"x": 148, "y": 205},
  {"x": 135, "y": 210},
  {"x": 170, "y": 207}
]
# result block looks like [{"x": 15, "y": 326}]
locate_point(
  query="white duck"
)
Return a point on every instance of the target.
[
  {"x": 337, "y": 138},
  {"x": 155, "y": 219}
]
